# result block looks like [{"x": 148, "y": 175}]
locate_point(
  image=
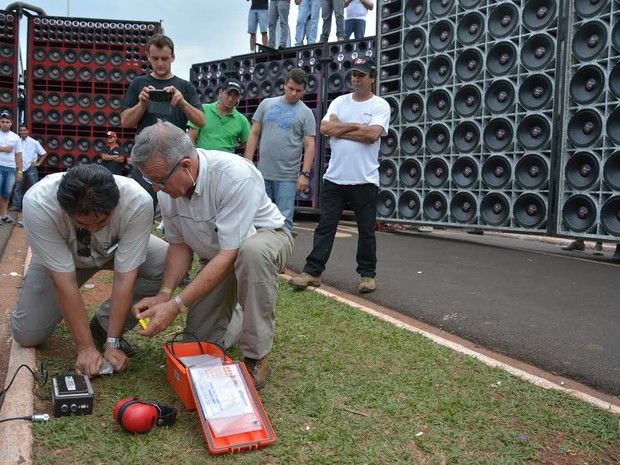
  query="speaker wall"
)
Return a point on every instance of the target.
[{"x": 9, "y": 52}]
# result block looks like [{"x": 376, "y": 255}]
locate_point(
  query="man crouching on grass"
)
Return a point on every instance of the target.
[
  {"x": 78, "y": 223},
  {"x": 215, "y": 205}
]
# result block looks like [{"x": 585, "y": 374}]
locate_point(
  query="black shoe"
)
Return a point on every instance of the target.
[{"x": 100, "y": 335}]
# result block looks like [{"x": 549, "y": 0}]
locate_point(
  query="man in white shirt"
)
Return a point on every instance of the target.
[
  {"x": 355, "y": 123},
  {"x": 10, "y": 165},
  {"x": 33, "y": 155},
  {"x": 355, "y": 22},
  {"x": 215, "y": 206}
]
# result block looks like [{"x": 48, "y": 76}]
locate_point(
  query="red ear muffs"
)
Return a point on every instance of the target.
[{"x": 138, "y": 416}]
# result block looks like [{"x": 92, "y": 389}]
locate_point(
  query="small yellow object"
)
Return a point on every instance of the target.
[{"x": 144, "y": 322}]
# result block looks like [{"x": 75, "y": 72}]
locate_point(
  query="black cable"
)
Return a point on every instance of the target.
[
  {"x": 41, "y": 381},
  {"x": 33, "y": 418}
]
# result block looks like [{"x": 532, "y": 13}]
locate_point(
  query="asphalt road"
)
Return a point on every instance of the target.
[{"x": 519, "y": 296}]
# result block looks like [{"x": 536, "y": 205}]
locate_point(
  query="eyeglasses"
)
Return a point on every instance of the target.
[
  {"x": 162, "y": 184},
  {"x": 83, "y": 238}
]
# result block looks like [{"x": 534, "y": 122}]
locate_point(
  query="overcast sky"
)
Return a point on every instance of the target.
[{"x": 202, "y": 30}]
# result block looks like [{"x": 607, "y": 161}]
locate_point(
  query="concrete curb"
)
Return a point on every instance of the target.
[{"x": 16, "y": 436}]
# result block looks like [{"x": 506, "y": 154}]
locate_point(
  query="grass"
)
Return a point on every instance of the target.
[{"x": 345, "y": 389}]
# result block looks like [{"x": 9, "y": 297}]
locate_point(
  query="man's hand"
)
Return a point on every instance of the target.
[
  {"x": 177, "y": 97},
  {"x": 302, "y": 183},
  {"x": 117, "y": 358},
  {"x": 89, "y": 361},
  {"x": 159, "y": 309}
]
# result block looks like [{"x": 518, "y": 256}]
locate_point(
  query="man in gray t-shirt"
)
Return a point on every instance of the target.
[{"x": 286, "y": 128}]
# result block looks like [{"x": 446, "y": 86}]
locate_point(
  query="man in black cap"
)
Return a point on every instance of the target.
[
  {"x": 355, "y": 123},
  {"x": 225, "y": 127},
  {"x": 112, "y": 156}
]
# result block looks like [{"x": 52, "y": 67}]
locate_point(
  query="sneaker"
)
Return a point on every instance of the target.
[
  {"x": 598, "y": 248},
  {"x": 7, "y": 220},
  {"x": 577, "y": 244},
  {"x": 100, "y": 335},
  {"x": 367, "y": 285},
  {"x": 259, "y": 371},
  {"x": 425, "y": 229},
  {"x": 15, "y": 208},
  {"x": 304, "y": 280}
]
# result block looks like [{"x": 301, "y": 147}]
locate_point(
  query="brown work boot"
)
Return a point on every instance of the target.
[
  {"x": 577, "y": 244},
  {"x": 259, "y": 371},
  {"x": 367, "y": 285},
  {"x": 304, "y": 280}
]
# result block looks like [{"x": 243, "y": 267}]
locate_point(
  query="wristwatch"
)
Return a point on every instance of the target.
[
  {"x": 112, "y": 343},
  {"x": 306, "y": 174}
]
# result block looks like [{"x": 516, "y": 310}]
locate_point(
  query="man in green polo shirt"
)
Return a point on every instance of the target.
[{"x": 225, "y": 127}]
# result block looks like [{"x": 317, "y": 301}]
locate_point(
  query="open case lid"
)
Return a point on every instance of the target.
[{"x": 250, "y": 440}]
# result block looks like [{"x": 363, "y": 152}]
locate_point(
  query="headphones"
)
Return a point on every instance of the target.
[{"x": 139, "y": 416}]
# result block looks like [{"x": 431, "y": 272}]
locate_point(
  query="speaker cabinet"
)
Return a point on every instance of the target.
[
  {"x": 78, "y": 72},
  {"x": 9, "y": 52},
  {"x": 477, "y": 112},
  {"x": 588, "y": 164}
]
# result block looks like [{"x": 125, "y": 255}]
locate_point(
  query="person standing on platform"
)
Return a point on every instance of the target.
[
  {"x": 355, "y": 22},
  {"x": 329, "y": 8},
  {"x": 226, "y": 127},
  {"x": 278, "y": 15},
  {"x": 355, "y": 123},
  {"x": 258, "y": 17},
  {"x": 112, "y": 157},
  {"x": 33, "y": 155},
  {"x": 286, "y": 128},
  {"x": 307, "y": 21},
  {"x": 11, "y": 169}
]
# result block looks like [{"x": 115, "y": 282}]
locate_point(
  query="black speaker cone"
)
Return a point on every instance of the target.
[
  {"x": 441, "y": 36},
  {"x": 438, "y": 104},
  {"x": 500, "y": 97},
  {"x": 579, "y": 213},
  {"x": 389, "y": 143},
  {"x": 415, "y": 11},
  {"x": 613, "y": 126},
  {"x": 435, "y": 206},
  {"x": 467, "y": 101},
  {"x": 532, "y": 171},
  {"x": 611, "y": 172},
  {"x": 498, "y": 135},
  {"x": 412, "y": 108},
  {"x": 469, "y": 64},
  {"x": 538, "y": 14},
  {"x": 463, "y": 207},
  {"x": 581, "y": 170},
  {"x": 440, "y": 70},
  {"x": 585, "y": 127},
  {"x": 537, "y": 52},
  {"x": 530, "y": 210},
  {"x": 496, "y": 172},
  {"x": 587, "y": 84},
  {"x": 610, "y": 215},
  {"x": 501, "y": 58},
  {"x": 535, "y": 92},
  {"x": 413, "y": 75},
  {"x": 470, "y": 28},
  {"x": 411, "y": 140},
  {"x": 503, "y": 20},
  {"x": 441, "y": 8},
  {"x": 387, "y": 173},
  {"x": 414, "y": 42},
  {"x": 589, "y": 8},
  {"x": 466, "y": 137},
  {"x": 465, "y": 172},
  {"x": 590, "y": 40},
  {"x": 533, "y": 132},
  {"x": 495, "y": 209},
  {"x": 409, "y": 173},
  {"x": 437, "y": 139},
  {"x": 409, "y": 205},
  {"x": 393, "y": 103},
  {"x": 386, "y": 204},
  {"x": 436, "y": 172}
]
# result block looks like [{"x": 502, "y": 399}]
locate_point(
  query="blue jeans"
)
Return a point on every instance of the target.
[
  {"x": 308, "y": 10},
  {"x": 362, "y": 199},
  {"x": 7, "y": 181},
  {"x": 29, "y": 179},
  {"x": 278, "y": 15},
  {"x": 283, "y": 193},
  {"x": 357, "y": 27},
  {"x": 335, "y": 7}
]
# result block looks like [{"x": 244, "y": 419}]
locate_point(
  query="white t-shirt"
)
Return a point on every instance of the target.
[
  {"x": 9, "y": 139},
  {"x": 31, "y": 150},
  {"x": 52, "y": 235},
  {"x": 356, "y": 10},
  {"x": 228, "y": 204},
  {"x": 355, "y": 162}
]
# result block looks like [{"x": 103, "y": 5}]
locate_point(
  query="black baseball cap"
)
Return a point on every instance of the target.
[
  {"x": 364, "y": 65},
  {"x": 5, "y": 114},
  {"x": 232, "y": 84}
]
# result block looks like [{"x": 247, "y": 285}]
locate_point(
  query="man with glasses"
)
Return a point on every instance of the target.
[
  {"x": 216, "y": 206},
  {"x": 11, "y": 169},
  {"x": 226, "y": 127},
  {"x": 78, "y": 223}
]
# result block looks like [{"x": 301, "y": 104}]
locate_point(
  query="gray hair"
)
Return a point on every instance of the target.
[{"x": 162, "y": 140}]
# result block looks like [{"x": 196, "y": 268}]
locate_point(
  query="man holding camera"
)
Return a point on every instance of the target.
[{"x": 78, "y": 223}]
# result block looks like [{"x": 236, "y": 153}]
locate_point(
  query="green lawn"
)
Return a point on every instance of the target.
[{"x": 346, "y": 388}]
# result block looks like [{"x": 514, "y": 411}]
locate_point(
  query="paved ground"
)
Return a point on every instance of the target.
[{"x": 520, "y": 296}]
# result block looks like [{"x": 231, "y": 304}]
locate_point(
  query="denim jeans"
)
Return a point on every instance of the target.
[
  {"x": 362, "y": 198},
  {"x": 335, "y": 7},
  {"x": 29, "y": 179},
  {"x": 308, "y": 10},
  {"x": 7, "y": 181},
  {"x": 283, "y": 193},
  {"x": 278, "y": 14},
  {"x": 357, "y": 27}
]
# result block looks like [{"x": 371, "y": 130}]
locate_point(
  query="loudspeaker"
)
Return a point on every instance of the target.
[
  {"x": 588, "y": 162},
  {"x": 78, "y": 72},
  {"x": 9, "y": 52}
]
